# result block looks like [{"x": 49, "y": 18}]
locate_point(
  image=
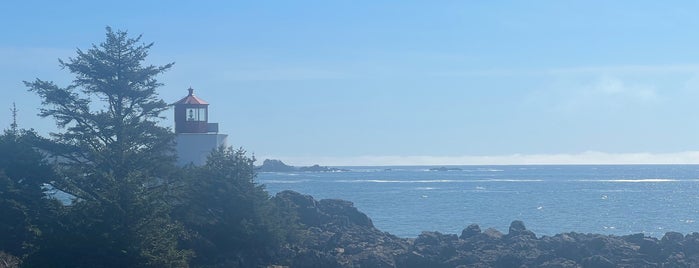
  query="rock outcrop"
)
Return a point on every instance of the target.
[
  {"x": 318, "y": 168},
  {"x": 336, "y": 234},
  {"x": 273, "y": 165},
  {"x": 445, "y": 169}
]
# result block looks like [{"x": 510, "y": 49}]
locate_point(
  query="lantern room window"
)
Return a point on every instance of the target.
[{"x": 196, "y": 114}]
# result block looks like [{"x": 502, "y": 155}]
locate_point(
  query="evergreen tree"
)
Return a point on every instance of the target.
[
  {"x": 110, "y": 111},
  {"x": 114, "y": 159},
  {"x": 232, "y": 221}
]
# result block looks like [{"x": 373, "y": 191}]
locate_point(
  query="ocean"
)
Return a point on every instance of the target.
[{"x": 605, "y": 199}]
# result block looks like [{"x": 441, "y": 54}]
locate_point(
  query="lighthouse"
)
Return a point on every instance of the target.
[{"x": 195, "y": 136}]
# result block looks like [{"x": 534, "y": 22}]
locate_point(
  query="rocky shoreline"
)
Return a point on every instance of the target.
[{"x": 339, "y": 235}]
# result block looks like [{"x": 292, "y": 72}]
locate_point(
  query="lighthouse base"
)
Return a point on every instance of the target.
[{"x": 193, "y": 148}]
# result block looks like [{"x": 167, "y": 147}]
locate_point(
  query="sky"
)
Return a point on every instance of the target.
[{"x": 398, "y": 82}]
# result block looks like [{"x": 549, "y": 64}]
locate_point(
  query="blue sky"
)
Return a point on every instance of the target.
[{"x": 399, "y": 82}]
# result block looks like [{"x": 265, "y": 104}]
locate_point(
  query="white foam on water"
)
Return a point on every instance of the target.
[
  {"x": 425, "y": 188},
  {"x": 632, "y": 180},
  {"x": 508, "y": 180},
  {"x": 399, "y": 181},
  {"x": 283, "y": 181},
  {"x": 281, "y": 173}
]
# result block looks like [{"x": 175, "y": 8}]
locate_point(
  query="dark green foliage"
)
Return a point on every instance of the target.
[
  {"x": 134, "y": 230},
  {"x": 111, "y": 109},
  {"x": 23, "y": 208},
  {"x": 133, "y": 207},
  {"x": 232, "y": 220},
  {"x": 114, "y": 158}
]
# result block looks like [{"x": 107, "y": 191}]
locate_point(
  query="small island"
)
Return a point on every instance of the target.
[
  {"x": 274, "y": 165},
  {"x": 445, "y": 169}
]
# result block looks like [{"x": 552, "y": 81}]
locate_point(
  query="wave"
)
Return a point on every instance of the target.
[
  {"x": 438, "y": 181},
  {"x": 283, "y": 181},
  {"x": 400, "y": 181},
  {"x": 632, "y": 180},
  {"x": 279, "y": 173},
  {"x": 507, "y": 180}
]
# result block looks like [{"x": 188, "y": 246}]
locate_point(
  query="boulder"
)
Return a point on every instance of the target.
[
  {"x": 304, "y": 206},
  {"x": 345, "y": 212},
  {"x": 492, "y": 234},
  {"x": 672, "y": 243},
  {"x": 470, "y": 231},
  {"x": 517, "y": 229}
]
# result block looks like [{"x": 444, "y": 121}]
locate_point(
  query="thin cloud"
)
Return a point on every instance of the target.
[
  {"x": 628, "y": 69},
  {"x": 615, "y": 87},
  {"x": 290, "y": 74},
  {"x": 581, "y": 70}
]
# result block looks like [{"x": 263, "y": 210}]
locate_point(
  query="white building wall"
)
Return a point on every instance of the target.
[{"x": 195, "y": 147}]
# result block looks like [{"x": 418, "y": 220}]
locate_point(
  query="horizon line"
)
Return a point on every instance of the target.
[{"x": 584, "y": 158}]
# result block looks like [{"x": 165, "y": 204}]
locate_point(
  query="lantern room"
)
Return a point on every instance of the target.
[
  {"x": 191, "y": 115},
  {"x": 195, "y": 136}
]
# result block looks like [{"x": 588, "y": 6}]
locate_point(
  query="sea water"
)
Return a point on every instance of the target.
[{"x": 606, "y": 199}]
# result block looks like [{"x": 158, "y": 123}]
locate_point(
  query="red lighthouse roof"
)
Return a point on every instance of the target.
[{"x": 191, "y": 99}]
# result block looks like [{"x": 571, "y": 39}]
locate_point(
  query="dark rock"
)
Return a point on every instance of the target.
[
  {"x": 672, "y": 238},
  {"x": 597, "y": 261},
  {"x": 435, "y": 243},
  {"x": 691, "y": 245},
  {"x": 445, "y": 169},
  {"x": 508, "y": 260},
  {"x": 304, "y": 206},
  {"x": 470, "y": 231},
  {"x": 318, "y": 168},
  {"x": 597, "y": 243},
  {"x": 671, "y": 243},
  {"x": 273, "y": 165},
  {"x": 650, "y": 247},
  {"x": 567, "y": 246},
  {"x": 492, "y": 234},
  {"x": 677, "y": 260},
  {"x": 559, "y": 263},
  {"x": 345, "y": 211},
  {"x": 517, "y": 229},
  {"x": 633, "y": 238},
  {"x": 336, "y": 234}
]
